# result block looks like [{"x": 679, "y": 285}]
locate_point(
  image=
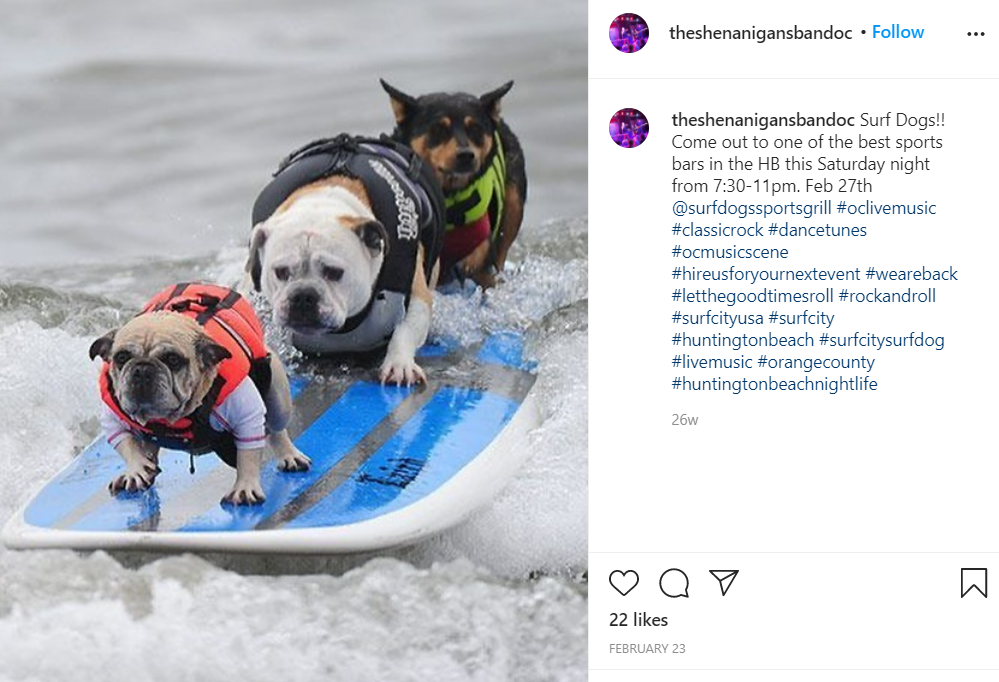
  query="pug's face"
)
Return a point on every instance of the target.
[
  {"x": 316, "y": 265},
  {"x": 161, "y": 365}
]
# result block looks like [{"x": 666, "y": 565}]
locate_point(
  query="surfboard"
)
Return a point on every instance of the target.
[{"x": 391, "y": 465}]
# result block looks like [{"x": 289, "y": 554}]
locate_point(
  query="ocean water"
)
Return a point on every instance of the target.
[{"x": 133, "y": 140}]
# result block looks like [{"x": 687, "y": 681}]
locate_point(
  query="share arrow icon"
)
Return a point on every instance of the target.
[{"x": 725, "y": 579}]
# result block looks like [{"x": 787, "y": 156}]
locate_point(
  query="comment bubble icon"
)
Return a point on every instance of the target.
[{"x": 674, "y": 583}]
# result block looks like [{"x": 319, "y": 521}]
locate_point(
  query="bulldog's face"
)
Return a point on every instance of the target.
[
  {"x": 161, "y": 365},
  {"x": 316, "y": 263}
]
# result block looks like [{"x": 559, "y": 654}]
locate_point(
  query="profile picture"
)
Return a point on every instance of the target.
[
  {"x": 629, "y": 33},
  {"x": 629, "y": 127}
]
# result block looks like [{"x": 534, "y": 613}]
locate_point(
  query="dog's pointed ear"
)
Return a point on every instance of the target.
[
  {"x": 402, "y": 104},
  {"x": 254, "y": 264},
  {"x": 209, "y": 352},
  {"x": 102, "y": 346},
  {"x": 374, "y": 236},
  {"x": 491, "y": 100}
]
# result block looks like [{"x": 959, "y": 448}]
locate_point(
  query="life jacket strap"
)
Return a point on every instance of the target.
[{"x": 177, "y": 291}]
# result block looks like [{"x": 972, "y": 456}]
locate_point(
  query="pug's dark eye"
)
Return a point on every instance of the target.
[
  {"x": 174, "y": 361},
  {"x": 121, "y": 358},
  {"x": 332, "y": 274},
  {"x": 282, "y": 273}
]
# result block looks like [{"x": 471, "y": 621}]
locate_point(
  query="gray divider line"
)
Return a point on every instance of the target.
[
  {"x": 313, "y": 402},
  {"x": 353, "y": 460},
  {"x": 505, "y": 381},
  {"x": 509, "y": 382}
]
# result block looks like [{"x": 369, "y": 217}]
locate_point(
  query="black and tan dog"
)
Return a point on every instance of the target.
[{"x": 480, "y": 165}]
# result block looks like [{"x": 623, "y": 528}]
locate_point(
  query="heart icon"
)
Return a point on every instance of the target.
[{"x": 624, "y": 581}]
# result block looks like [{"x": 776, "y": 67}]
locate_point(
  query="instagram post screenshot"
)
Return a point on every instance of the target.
[
  {"x": 294, "y": 341},
  {"x": 793, "y": 471},
  {"x": 296, "y": 350}
]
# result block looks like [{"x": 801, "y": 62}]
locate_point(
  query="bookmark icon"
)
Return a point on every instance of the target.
[{"x": 975, "y": 579}]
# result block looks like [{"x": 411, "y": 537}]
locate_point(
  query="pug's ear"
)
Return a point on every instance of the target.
[
  {"x": 373, "y": 235},
  {"x": 491, "y": 100},
  {"x": 210, "y": 353},
  {"x": 102, "y": 346},
  {"x": 254, "y": 264},
  {"x": 403, "y": 105}
]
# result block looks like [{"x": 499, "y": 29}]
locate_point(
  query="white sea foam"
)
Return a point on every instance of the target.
[
  {"x": 181, "y": 618},
  {"x": 467, "y": 605}
]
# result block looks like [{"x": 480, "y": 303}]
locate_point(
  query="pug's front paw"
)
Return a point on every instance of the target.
[
  {"x": 245, "y": 493},
  {"x": 135, "y": 479},
  {"x": 293, "y": 460}
]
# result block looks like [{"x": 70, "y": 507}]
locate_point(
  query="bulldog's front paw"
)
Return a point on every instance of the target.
[
  {"x": 245, "y": 492},
  {"x": 294, "y": 460},
  {"x": 135, "y": 479},
  {"x": 402, "y": 371}
]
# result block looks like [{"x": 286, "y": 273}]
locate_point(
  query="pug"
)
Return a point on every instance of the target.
[
  {"x": 345, "y": 247},
  {"x": 180, "y": 377}
]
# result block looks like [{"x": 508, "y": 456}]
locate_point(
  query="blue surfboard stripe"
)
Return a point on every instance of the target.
[
  {"x": 438, "y": 348},
  {"x": 74, "y": 486},
  {"x": 505, "y": 348},
  {"x": 329, "y": 438},
  {"x": 297, "y": 385},
  {"x": 416, "y": 461}
]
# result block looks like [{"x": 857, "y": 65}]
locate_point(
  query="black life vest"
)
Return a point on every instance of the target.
[{"x": 405, "y": 198}]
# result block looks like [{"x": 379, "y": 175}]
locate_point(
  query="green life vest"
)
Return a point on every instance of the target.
[{"x": 485, "y": 194}]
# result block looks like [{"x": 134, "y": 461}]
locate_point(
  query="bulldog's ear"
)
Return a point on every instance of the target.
[
  {"x": 254, "y": 264},
  {"x": 210, "y": 353},
  {"x": 374, "y": 236},
  {"x": 403, "y": 105},
  {"x": 491, "y": 100},
  {"x": 102, "y": 346}
]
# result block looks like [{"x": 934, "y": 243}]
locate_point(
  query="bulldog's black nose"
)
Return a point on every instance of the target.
[
  {"x": 303, "y": 307},
  {"x": 464, "y": 160}
]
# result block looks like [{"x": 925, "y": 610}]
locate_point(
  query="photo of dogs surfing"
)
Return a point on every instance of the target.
[{"x": 293, "y": 300}]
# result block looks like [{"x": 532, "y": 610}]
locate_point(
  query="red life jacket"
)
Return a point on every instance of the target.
[{"x": 230, "y": 321}]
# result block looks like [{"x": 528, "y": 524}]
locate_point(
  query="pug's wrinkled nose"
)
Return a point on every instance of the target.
[
  {"x": 143, "y": 379},
  {"x": 144, "y": 373}
]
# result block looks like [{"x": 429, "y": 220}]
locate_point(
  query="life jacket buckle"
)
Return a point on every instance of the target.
[
  {"x": 208, "y": 301},
  {"x": 415, "y": 167}
]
